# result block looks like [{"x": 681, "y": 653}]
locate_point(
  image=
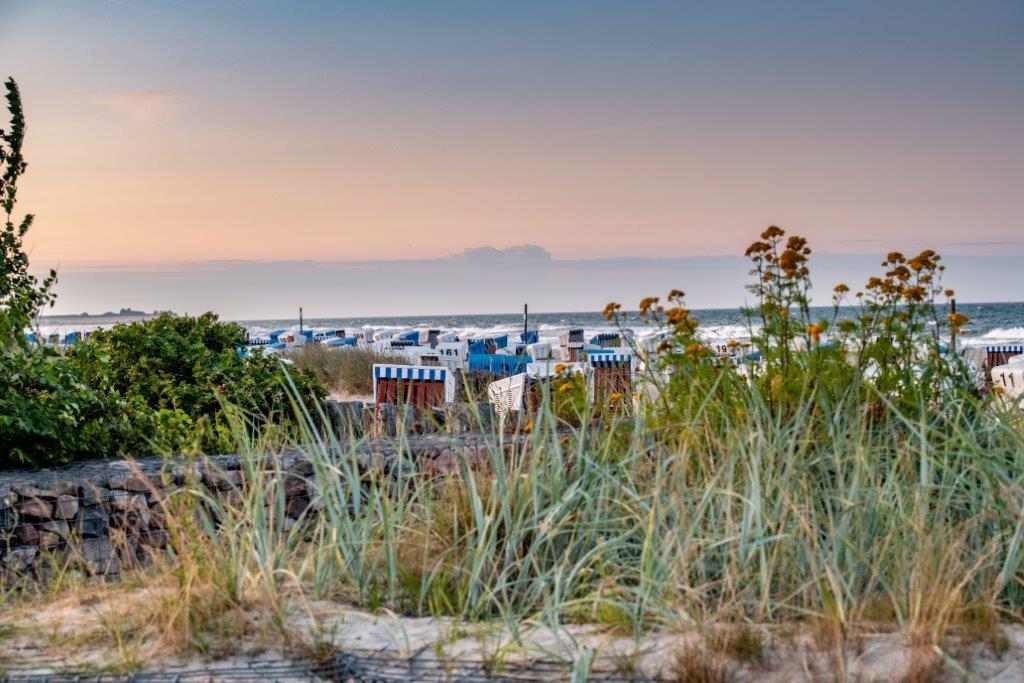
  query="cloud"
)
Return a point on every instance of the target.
[
  {"x": 1005, "y": 243},
  {"x": 447, "y": 286},
  {"x": 143, "y": 107},
  {"x": 520, "y": 252}
]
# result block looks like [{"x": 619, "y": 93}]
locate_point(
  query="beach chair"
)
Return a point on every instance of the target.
[
  {"x": 611, "y": 373},
  {"x": 413, "y": 385},
  {"x": 336, "y": 342},
  {"x": 606, "y": 340},
  {"x": 998, "y": 354},
  {"x": 453, "y": 354},
  {"x": 1010, "y": 377},
  {"x": 539, "y": 351},
  {"x": 498, "y": 364}
]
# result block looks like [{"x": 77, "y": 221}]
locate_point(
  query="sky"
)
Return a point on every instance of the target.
[{"x": 175, "y": 136}]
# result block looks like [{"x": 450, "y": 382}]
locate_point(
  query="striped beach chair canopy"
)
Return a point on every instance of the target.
[
  {"x": 429, "y": 374},
  {"x": 1005, "y": 348},
  {"x": 401, "y": 343},
  {"x": 609, "y": 360},
  {"x": 606, "y": 339},
  {"x": 998, "y": 354},
  {"x": 413, "y": 384},
  {"x": 571, "y": 336}
]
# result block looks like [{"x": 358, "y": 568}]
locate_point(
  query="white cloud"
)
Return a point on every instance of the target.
[
  {"x": 143, "y": 107},
  {"x": 516, "y": 251}
]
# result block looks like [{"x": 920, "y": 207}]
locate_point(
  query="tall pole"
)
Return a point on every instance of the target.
[
  {"x": 300, "y": 319},
  {"x": 952, "y": 332},
  {"x": 526, "y": 323}
]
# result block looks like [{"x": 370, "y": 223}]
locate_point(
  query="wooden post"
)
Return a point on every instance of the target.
[
  {"x": 300, "y": 319},
  {"x": 526, "y": 322},
  {"x": 952, "y": 332}
]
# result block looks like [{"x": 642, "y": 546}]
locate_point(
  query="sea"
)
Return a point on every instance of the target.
[{"x": 990, "y": 323}]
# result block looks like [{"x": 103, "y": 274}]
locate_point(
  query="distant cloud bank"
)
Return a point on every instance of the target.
[
  {"x": 517, "y": 252},
  {"x": 482, "y": 280}
]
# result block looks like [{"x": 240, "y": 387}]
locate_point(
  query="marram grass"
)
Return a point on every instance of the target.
[{"x": 732, "y": 515}]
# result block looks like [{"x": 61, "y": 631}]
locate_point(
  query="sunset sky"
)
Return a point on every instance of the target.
[{"x": 169, "y": 132}]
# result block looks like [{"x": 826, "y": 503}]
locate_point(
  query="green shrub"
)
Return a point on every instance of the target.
[
  {"x": 190, "y": 368},
  {"x": 49, "y": 414}
]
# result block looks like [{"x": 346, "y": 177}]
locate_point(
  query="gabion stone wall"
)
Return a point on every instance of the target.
[{"x": 103, "y": 516}]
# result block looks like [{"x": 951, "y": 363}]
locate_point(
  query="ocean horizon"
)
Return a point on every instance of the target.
[{"x": 989, "y": 322}]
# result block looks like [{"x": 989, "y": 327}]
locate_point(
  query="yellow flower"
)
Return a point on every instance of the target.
[
  {"x": 647, "y": 303},
  {"x": 957, "y": 319},
  {"x": 678, "y": 315},
  {"x": 695, "y": 349},
  {"x": 611, "y": 310},
  {"x": 565, "y": 387},
  {"x": 615, "y": 397},
  {"x": 559, "y": 368},
  {"x": 528, "y": 427}
]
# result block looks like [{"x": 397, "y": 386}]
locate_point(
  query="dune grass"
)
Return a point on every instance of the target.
[
  {"x": 345, "y": 370},
  {"x": 831, "y": 525}
]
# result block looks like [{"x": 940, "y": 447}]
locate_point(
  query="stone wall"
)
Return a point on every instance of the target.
[
  {"x": 104, "y": 516},
  {"x": 98, "y": 516}
]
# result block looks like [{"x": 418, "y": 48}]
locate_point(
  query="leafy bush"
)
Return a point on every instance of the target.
[
  {"x": 50, "y": 415},
  {"x": 191, "y": 367}
]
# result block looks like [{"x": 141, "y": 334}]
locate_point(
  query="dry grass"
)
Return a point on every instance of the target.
[
  {"x": 848, "y": 533},
  {"x": 345, "y": 370}
]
